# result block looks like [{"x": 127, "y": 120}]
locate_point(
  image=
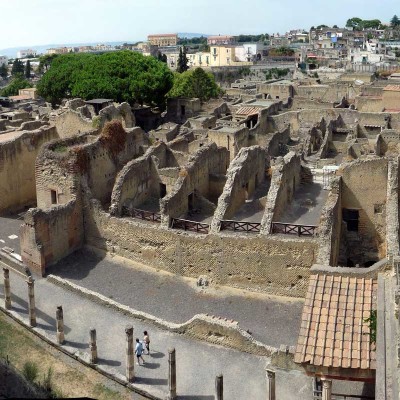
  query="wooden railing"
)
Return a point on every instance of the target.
[
  {"x": 186, "y": 225},
  {"x": 240, "y": 226},
  {"x": 142, "y": 214},
  {"x": 293, "y": 229}
]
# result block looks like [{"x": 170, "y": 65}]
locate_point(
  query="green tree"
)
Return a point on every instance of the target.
[
  {"x": 161, "y": 57},
  {"x": 395, "y": 21},
  {"x": 182, "y": 60},
  {"x": 121, "y": 76},
  {"x": 354, "y": 23},
  {"x": 45, "y": 62},
  {"x": 28, "y": 70},
  {"x": 195, "y": 83},
  {"x": 17, "y": 68},
  {"x": 15, "y": 85},
  {"x": 3, "y": 71}
]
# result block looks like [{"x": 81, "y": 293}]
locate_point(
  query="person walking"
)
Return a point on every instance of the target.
[
  {"x": 139, "y": 351},
  {"x": 146, "y": 341}
]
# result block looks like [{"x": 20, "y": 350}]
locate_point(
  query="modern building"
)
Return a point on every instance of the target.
[
  {"x": 3, "y": 60},
  {"x": 26, "y": 53}
]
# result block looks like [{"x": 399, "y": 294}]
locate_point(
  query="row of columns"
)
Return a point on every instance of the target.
[
  {"x": 130, "y": 372},
  {"x": 31, "y": 295}
]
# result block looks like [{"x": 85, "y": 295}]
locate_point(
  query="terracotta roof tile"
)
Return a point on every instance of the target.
[
  {"x": 392, "y": 88},
  {"x": 248, "y": 110},
  {"x": 333, "y": 332}
]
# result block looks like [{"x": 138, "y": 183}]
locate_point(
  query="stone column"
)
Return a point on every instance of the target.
[
  {"x": 219, "y": 387},
  {"x": 326, "y": 389},
  {"x": 172, "y": 374},
  {"x": 93, "y": 346},
  {"x": 130, "y": 373},
  {"x": 31, "y": 296},
  {"x": 271, "y": 384},
  {"x": 60, "y": 325},
  {"x": 7, "y": 289}
]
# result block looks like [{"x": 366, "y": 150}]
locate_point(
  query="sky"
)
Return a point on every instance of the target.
[{"x": 38, "y": 22}]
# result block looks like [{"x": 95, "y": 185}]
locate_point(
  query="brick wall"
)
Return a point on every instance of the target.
[{"x": 272, "y": 265}]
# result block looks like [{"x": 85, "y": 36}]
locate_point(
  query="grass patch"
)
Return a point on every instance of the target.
[
  {"x": 60, "y": 149},
  {"x": 102, "y": 392},
  {"x": 73, "y": 379}
]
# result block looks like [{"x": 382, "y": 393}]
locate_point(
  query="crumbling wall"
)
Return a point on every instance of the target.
[
  {"x": 194, "y": 178},
  {"x": 276, "y": 142},
  {"x": 70, "y": 123},
  {"x": 103, "y": 163},
  {"x": 284, "y": 182},
  {"x": 245, "y": 173},
  {"x": 121, "y": 112},
  {"x": 329, "y": 229},
  {"x": 17, "y": 167},
  {"x": 138, "y": 180},
  {"x": 49, "y": 235}
]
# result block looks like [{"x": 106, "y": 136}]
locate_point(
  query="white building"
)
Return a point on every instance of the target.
[
  {"x": 3, "y": 60},
  {"x": 25, "y": 53},
  {"x": 249, "y": 52}
]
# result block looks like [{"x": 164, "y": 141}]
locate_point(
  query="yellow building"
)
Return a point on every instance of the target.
[
  {"x": 222, "y": 56},
  {"x": 167, "y": 39}
]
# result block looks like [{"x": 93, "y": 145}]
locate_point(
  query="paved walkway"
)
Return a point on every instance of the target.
[
  {"x": 197, "y": 363},
  {"x": 272, "y": 320}
]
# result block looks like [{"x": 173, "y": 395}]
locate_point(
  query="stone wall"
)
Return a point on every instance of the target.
[
  {"x": 47, "y": 236},
  {"x": 273, "y": 265},
  {"x": 275, "y": 142},
  {"x": 364, "y": 188},
  {"x": 369, "y": 104},
  {"x": 194, "y": 178},
  {"x": 70, "y": 123},
  {"x": 139, "y": 179},
  {"x": 329, "y": 230},
  {"x": 17, "y": 167},
  {"x": 245, "y": 173},
  {"x": 284, "y": 182}
]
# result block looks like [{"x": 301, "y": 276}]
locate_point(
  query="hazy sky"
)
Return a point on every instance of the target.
[{"x": 35, "y": 22}]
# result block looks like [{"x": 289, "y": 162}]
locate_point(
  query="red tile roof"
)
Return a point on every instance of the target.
[
  {"x": 392, "y": 88},
  {"x": 333, "y": 330},
  {"x": 248, "y": 111}
]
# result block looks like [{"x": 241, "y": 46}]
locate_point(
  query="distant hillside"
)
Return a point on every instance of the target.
[
  {"x": 41, "y": 49},
  {"x": 191, "y": 35}
]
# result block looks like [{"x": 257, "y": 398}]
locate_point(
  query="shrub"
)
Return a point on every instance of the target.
[{"x": 30, "y": 371}]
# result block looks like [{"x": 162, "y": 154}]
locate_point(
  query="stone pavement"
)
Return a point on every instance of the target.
[
  {"x": 197, "y": 363},
  {"x": 271, "y": 320}
]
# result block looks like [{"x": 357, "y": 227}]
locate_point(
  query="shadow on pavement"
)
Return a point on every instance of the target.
[
  {"x": 199, "y": 397},
  {"x": 110, "y": 363},
  {"x": 150, "y": 381},
  {"x": 51, "y": 322},
  {"x": 72, "y": 267},
  {"x": 77, "y": 344},
  {"x": 156, "y": 354},
  {"x": 46, "y": 327},
  {"x": 151, "y": 365}
]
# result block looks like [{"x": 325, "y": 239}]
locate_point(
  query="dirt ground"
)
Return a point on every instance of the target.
[{"x": 69, "y": 379}]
